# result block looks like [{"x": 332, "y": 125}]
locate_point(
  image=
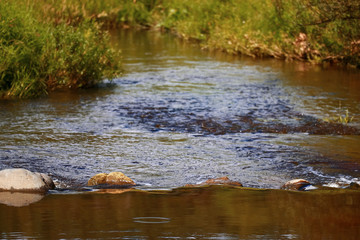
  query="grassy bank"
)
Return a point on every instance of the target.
[
  {"x": 37, "y": 56},
  {"x": 309, "y": 30},
  {"x": 318, "y": 31},
  {"x": 50, "y": 44}
]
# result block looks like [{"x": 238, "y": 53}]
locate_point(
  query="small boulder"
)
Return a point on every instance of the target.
[
  {"x": 22, "y": 180},
  {"x": 217, "y": 181},
  {"x": 111, "y": 179},
  {"x": 296, "y": 185},
  {"x": 47, "y": 180},
  {"x": 354, "y": 186},
  {"x": 98, "y": 179},
  {"x": 118, "y": 178}
]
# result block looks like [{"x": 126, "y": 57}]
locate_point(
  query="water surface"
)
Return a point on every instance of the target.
[
  {"x": 180, "y": 115},
  {"x": 206, "y": 213}
]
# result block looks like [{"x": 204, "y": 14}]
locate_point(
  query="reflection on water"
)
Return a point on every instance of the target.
[
  {"x": 206, "y": 213},
  {"x": 19, "y": 199},
  {"x": 180, "y": 116}
]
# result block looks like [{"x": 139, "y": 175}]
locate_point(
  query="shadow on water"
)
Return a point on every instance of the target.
[{"x": 180, "y": 115}]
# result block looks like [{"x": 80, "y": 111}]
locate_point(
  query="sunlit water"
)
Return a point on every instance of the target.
[{"x": 180, "y": 115}]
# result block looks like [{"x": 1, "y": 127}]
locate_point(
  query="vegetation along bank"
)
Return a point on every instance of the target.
[
  {"x": 317, "y": 31},
  {"x": 38, "y": 56}
]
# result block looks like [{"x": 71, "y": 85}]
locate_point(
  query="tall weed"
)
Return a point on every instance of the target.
[
  {"x": 21, "y": 45},
  {"x": 36, "y": 57}
]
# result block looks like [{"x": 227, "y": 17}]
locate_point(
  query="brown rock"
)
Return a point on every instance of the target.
[
  {"x": 97, "y": 179},
  {"x": 217, "y": 181},
  {"x": 296, "y": 185},
  {"x": 118, "y": 178},
  {"x": 113, "y": 178}
]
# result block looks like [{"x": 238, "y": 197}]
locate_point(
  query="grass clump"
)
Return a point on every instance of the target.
[
  {"x": 340, "y": 118},
  {"x": 343, "y": 119},
  {"x": 37, "y": 57}
]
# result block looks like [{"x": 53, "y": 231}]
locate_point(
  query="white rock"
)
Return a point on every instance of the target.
[
  {"x": 19, "y": 179},
  {"x": 48, "y": 181}
]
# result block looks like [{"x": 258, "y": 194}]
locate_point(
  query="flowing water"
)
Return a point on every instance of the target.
[{"x": 179, "y": 116}]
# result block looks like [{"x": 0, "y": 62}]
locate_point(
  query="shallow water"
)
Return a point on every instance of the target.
[{"x": 180, "y": 115}]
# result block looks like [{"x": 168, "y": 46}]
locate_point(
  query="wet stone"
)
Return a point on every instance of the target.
[
  {"x": 47, "y": 180},
  {"x": 97, "y": 179},
  {"x": 296, "y": 185},
  {"x": 112, "y": 179},
  {"x": 22, "y": 180}
]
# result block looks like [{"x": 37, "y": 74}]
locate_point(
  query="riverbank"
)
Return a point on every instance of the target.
[
  {"x": 37, "y": 57},
  {"x": 320, "y": 33},
  {"x": 49, "y": 44}
]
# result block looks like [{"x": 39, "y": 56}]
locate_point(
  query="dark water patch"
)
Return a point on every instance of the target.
[{"x": 264, "y": 110}]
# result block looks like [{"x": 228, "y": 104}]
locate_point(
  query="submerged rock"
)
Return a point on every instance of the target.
[
  {"x": 111, "y": 179},
  {"x": 217, "y": 181},
  {"x": 22, "y": 180},
  {"x": 296, "y": 185}
]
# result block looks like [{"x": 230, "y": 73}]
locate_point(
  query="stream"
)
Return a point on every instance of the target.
[{"x": 180, "y": 115}]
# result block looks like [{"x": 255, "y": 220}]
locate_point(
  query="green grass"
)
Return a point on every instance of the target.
[
  {"x": 343, "y": 119},
  {"x": 308, "y": 30},
  {"x": 49, "y": 44},
  {"x": 318, "y": 31},
  {"x": 37, "y": 57}
]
